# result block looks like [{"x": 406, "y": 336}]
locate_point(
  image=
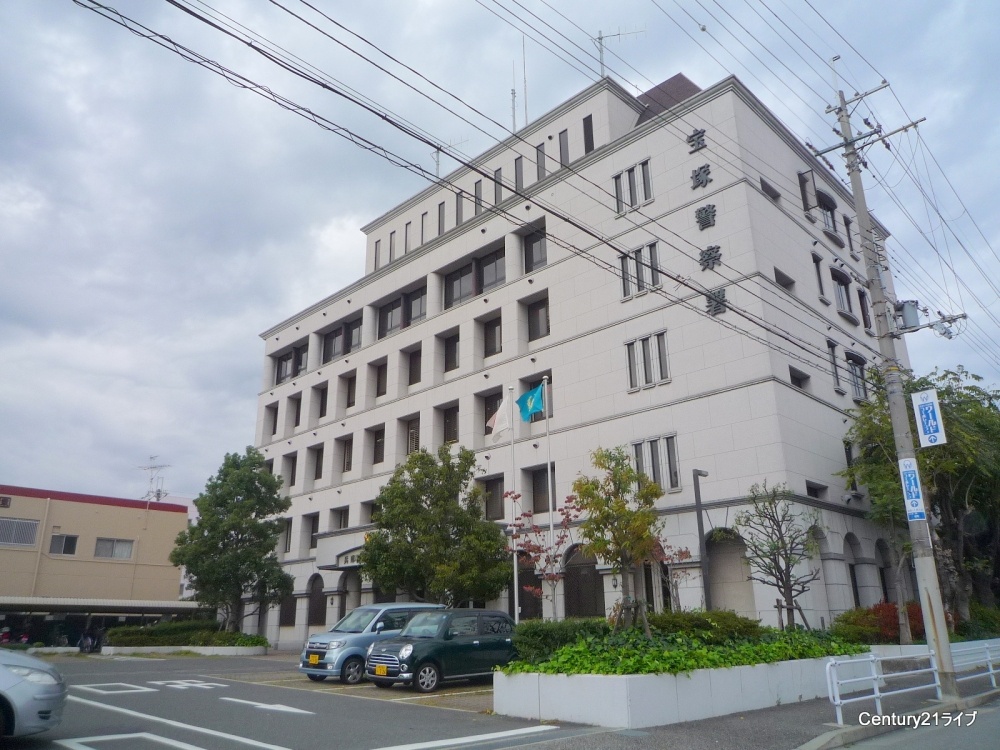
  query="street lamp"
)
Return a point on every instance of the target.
[{"x": 702, "y": 547}]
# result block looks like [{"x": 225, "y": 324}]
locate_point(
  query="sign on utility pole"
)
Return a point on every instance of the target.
[
  {"x": 927, "y": 410},
  {"x": 913, "y": 495}
]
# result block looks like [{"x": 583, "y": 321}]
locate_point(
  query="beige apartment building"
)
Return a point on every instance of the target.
[
  {"x": 687, "y": 274},
  {"x": 68, "y": 554}
]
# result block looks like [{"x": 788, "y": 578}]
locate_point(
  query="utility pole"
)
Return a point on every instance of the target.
[{"x": 935, "y": 626}]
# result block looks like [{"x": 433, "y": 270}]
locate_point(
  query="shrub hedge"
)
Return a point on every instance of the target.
[
  {"x": 709, "y": 627},
  {"x": 984, "y": 622},
  {"x": 182, "y": 633},
  {"x": 537, "y": 640},
  {"x": 876, "y": 624}
]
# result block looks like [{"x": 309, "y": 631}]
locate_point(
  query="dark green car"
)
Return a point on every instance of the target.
[{"x": 442, "y": 645}]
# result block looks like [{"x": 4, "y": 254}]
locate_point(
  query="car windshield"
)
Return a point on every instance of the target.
[
  {"x": 424, "y": 625},
  {"x": 356, "y": 621}
]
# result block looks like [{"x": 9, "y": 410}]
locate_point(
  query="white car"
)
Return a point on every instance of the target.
[{"x": 32, "y": 694}]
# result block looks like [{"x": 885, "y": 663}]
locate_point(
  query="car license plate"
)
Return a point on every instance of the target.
[
  {"x": 314, "y": 658},
  {"x": 381, "y": 670}
]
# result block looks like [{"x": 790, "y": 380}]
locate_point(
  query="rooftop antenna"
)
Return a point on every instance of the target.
[
  {"x": 524, "y": 70},
  {"x": 599, "y": 41},
  {"x": 513, "y": 96},
  {"x": 155, "y": 491},
  {"x": 436, "y": 153}
]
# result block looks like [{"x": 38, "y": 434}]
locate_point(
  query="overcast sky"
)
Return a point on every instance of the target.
[{"x": 155, "y": 218}]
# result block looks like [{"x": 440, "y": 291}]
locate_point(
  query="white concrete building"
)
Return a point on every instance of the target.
[{"x": 687, "y": 274}]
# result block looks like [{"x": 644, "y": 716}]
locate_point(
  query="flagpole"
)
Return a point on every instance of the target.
[
  {"x": 513, "y": 484},
  {"x": 548, "y": 476}
]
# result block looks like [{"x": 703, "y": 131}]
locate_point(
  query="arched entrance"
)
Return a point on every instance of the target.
[
  {"x": 583, "y": 586},
  {"x": 529, "y": 595},
  {"x": 317, "y": 602},
  {"x": 729, "y": 573},
  {"x": 350, "y": 591}
]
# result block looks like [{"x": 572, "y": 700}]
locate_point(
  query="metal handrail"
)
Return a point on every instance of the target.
[
  {"x": 965, "y": 656},
  {"x": 877, "y": 680}
]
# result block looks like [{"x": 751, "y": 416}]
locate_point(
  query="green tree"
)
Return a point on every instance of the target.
[
  {"x": 777, "y": 543},
  {"x": 962, "y": 479},
  {"x": 432, "y": 540},
  {"x": 229, "y": 551},
  {"x": 621, "y": 527}
]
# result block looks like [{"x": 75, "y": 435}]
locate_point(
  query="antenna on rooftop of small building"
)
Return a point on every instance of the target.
[
  {"x": 155, "y": 491},
  {"x": 600, "y": 39}
]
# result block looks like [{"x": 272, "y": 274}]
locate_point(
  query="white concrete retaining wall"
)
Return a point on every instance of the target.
[
  {"x": 203, "y": 650},
  {"x": 635, "y": 701}
]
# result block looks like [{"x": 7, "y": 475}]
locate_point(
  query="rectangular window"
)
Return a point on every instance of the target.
[
  {"x": 540, "y": 490},
  {"x": 390, "y": 317},
  {"x": 322, "y": 395},
  {"x": 423, "y": 227},
  {"x": 352, "y": 336},
  {"x": 313, "y": 522},
  {"x": 286, "y": 611},
  {"x": 414, "y": 367},
  {"x": 291, "y": 364},
  {"x": 271, "y": 418},
  {"x": 490, "y": 405},
  {"x": 406, "y": 237},
  {"x": 381, "y": 379},
  {"x": 113, "y": 549},
  {"x": 493, "y": 493},
  {"x": 633, "y": 186},
  {"x": 673, "y": 470},
  {"x": 415, "y": 306},
  {"x": 491, "y": 270},
  {"x": 340, "y": 518},
  {"x": 647, "y": 360},
  {"x": 378, "y": 253},
  {"x": 459, "y": 285},
  {"x": 492, "y": 339},
  {"x": 563, "y": 148},
  {"x": 62, "y": 544},
  {"x": 638, "y": 450},
  {"x": 863, "y": 306},
  {"x": 538, "y": 319},
  {"x": 856, "y": 373},
  {"x": 440, "y": 218},
  {"x": 451, "y": 353},
  {"x": 479, "y": 197},
  {"x": 497, "y": 186},
  {"x": 626, "y": 269},
  {"x": 831, "y": 348},
  {"x": 539, "y": 416},
  {"x": 348, "y": 454},
  {"x": 378, "y": 445},
  {"x": 519, "y": 173},
  {"x": 653, "y": 259},
  {"x": 459, "y": 204},
  {"x": 450, "y": 417},
  {"x": 412, "y": 435},
  {"x": 288, "y": 535},
  {"x": 655, "y": 473},
  {"x": 333, "y": 344},
  {"x": 850, "y": 237},
  {"x": 392, "y": 246},
  {"x": 296, "y": 404},
  {"x": 317, "y": 458},
  {"x": 588, "y": 134},
  {"x": 640, "y": 270},
  {"x": 291, "y": 468},
  {"x": 540, "y": 161},
  {"x": 350, "y": 391},
  {"x": 534, "y": 251},
  {"x": 842, "y": 291}
]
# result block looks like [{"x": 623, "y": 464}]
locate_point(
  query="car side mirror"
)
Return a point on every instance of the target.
[
  {"x": 379, "y": 626},
  {"x": 449, "y": 634}
]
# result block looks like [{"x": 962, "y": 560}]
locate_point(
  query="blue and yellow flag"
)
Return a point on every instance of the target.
[{"x": 532, "y": 402}]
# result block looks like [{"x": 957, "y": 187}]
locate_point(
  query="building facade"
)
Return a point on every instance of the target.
[
  {"x": 66, "y": 554},
  {"x": 689, "y": 278}
]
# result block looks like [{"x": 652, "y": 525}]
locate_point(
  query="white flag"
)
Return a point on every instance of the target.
[{"x": 500, "y": 421}]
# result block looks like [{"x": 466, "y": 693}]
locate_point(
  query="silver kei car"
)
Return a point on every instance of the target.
[
  {"x": 32, "y": 694},
  {"x": 340, "y": 652}
]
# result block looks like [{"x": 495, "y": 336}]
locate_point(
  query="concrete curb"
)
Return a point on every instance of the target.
[{"x": 849, "y": 735}]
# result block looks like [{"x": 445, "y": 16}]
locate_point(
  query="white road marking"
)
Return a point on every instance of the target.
[
  {"x": 82, "y": 743},
  {"x": 185, "y": 684},
  {"x": 178, "y": 724},
  {"x": 269, "y": 706},
  {"x": 472, "y": 738},
  {"x": 115, "y": 688}
]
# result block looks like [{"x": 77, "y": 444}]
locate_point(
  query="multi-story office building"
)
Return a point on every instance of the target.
[
  {"x": 686, "y": 273},
  {"x": 69, "y": 555}
]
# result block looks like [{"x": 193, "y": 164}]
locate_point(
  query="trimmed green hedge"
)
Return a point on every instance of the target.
[
  {"x": 716, "y": 627},
  {"x": 184, "y": 633},
  {"x": 984, "y": 622},
  {"x": 537, "y": 640},
  {"x": 631, "y": 652}
]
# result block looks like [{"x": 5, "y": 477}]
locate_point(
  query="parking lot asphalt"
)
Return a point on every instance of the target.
[{"x": 807, "y": 725}]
